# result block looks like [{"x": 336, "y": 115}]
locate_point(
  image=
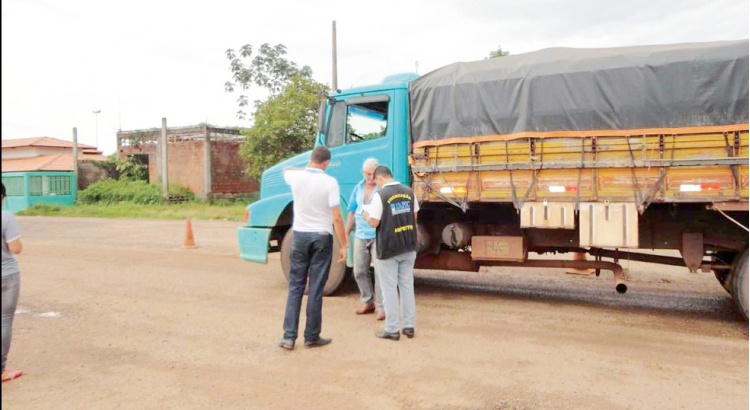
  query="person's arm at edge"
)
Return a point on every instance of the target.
[
  {"x": 338, "y": 227},
  {"x": 372, "y": 221},
  {"x": 350, "y": 220},
  {"x": 15, "y": 246},
  {"x": 374, "y": 201}
]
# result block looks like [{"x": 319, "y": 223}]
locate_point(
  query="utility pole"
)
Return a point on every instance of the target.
[
  {"x": 96, "y": 115},
  {"x": 75, "y": 158},
  {"x": 335, "y": 82},
  {"x": 164, "y": 169}
]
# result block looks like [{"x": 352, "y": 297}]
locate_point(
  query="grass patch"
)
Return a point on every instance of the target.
[{"x": 205, "y": 210}]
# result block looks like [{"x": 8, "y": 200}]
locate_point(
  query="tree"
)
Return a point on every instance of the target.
[
  {"x": 131, "y": 169},
  {"x": 498, "y": 53},
  {"x": 285, "y": 124},
  {"x": 268, "y": 69}
]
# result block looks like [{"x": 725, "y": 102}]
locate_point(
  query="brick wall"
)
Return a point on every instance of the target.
[
  {"x": 187, "y": 165},
  {"x": 228, "y": 169},
  {"x": 90, "y": 172}
]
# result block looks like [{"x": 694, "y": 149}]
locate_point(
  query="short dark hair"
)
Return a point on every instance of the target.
[
  {"x": 3, "y": 189},
  {"x": 382, "y": 171},
  {"x": 320, "y": 155}
]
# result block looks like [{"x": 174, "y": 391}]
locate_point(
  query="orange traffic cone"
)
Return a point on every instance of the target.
[
  {"x": 579, "y": 256},
  {"x": 189, "y": 240}
]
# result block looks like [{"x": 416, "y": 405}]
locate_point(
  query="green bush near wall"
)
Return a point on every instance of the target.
[{"x": 110, "y": 191}]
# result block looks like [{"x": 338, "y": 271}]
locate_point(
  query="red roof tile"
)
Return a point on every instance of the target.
[
  {"x": 57, "y": 162},
  {"x": 41, "y": 142}
]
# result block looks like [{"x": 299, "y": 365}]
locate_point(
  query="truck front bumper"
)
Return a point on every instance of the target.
[{"x": 253, "y": 243}]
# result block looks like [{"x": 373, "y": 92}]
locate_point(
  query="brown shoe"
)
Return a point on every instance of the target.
[
  {"x": 380, "y": 315},
  {"x": 365, "y": 309}
]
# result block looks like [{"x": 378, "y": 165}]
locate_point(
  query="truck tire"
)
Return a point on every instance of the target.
[
  {"x": 740, "y": 283},
  {"x": 724, "y": 276},
  {"x": 336, "y": 274}
]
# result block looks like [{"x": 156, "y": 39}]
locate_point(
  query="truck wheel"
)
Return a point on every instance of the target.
[
  {"x": 336, "y": 274},
  {"x": 740, "y": 283},
  {"x": 724, "y": 276}
]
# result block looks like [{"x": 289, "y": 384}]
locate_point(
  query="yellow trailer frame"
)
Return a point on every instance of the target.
[{"x": 696, "y": 164}]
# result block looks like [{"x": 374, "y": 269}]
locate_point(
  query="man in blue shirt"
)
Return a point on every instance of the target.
[{"x": 364, "y": 242}]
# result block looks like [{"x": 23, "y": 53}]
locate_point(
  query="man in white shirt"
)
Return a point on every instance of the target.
[
  {"x": 393, "y": 212},
  {"x": 317, "y": 216}
]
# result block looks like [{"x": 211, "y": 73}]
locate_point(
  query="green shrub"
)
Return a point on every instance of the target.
[
  {"x": 41, "y": 208},
  {"x": 181, "y": 193},
  {"x": 110, "y": 191}
]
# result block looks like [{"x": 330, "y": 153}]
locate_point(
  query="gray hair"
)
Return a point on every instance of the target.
[{"x": 370, "y": 163}]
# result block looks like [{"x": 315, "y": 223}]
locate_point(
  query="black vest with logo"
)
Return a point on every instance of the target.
[{"x": 397, "y": 231}]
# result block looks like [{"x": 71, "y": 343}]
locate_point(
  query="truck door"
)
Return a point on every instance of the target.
[{"x": 359, "y": 128}]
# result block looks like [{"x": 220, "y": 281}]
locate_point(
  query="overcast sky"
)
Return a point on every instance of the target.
[{"x": 138, "y": 61}]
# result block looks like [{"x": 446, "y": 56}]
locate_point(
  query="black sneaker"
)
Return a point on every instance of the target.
[
  {"x": 317, "y": 343},
  {"x": 388, "y": 335},
  {"x": 287, "y": 344},
  {"x": 408, "y": 332}
]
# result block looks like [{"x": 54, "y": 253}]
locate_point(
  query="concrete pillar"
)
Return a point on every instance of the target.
[
  {"x": 164, "y": 169},
  {"x": 207, "y": 155}
]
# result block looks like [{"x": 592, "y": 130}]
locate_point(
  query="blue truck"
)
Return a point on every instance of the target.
[{"x": 599, "y": 152}]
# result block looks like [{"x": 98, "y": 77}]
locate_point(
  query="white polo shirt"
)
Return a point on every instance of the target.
[
  {"x": 375, "y": 208},
  {"x": 315, "y": 193}
]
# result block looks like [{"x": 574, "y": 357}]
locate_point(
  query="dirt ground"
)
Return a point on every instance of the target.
[{"x": 114, "y": 314}]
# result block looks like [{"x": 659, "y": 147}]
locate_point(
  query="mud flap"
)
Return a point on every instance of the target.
[{"x": 253, "y": 243}]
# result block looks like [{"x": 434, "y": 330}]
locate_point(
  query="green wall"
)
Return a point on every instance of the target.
[{"x": 24, "y": 189}]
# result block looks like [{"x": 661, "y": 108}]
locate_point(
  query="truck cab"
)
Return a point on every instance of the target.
[{"x": 355, "y": 124}]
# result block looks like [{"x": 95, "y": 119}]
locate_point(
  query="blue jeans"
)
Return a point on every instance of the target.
[
  {"x": 310, "y": 258},
  {"x": 11, "y": 286}
]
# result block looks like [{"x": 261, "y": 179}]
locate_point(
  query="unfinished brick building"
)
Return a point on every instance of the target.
[{"x": 204, "y": 158}]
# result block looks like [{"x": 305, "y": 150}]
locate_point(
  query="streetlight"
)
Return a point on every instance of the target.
[{"x": 96, "y": 116}]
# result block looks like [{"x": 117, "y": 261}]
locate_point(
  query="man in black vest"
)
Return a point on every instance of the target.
[{"x": 393, "y": 212}]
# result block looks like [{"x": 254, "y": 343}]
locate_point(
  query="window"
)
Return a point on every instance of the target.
[
  {"x": 358, "y": 119},
  {"x": 36, "y": 186},
  {"x": 366, "y": 121},
  {"x": 49, "y": 185},
  {"x": 13, "y": 186},
  {"x": 336, "y": 125},
  {"x": 58, "y": 185}
]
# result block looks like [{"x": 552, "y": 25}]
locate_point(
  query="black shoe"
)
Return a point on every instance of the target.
[
  {"x": 317, "y": 343},
  {"x": 287, "y": 344},
  {"x": 408, "y": 332},
  {"x": 388, "y": 335}
]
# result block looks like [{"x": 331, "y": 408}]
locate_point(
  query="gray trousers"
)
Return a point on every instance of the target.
[
  {"x": 11, "y": 287},
  {"x": 364, "y": 252},
  {"x": 396, "y": 276}
]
